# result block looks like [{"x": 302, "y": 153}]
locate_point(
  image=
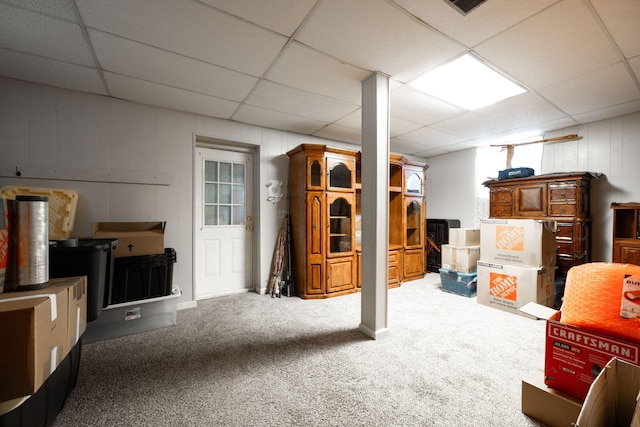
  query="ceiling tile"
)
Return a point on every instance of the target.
[
  {"x": 485, "y": 21},
  {"x": 429, "y": 137},
  {"x": 548, "y": 126},
  {"x": 58, "y": 8},
  {"x": 144, "y": 62},
  {"x": 282, "y": 16},
  {"x": 601, "y": 89},
  {"x": 469, "y": 126},
  {"x": 376, "y": 36},
  {"x": 33, "y": 33},
  {"x": 353, "y": 120},
  {"x": 522, "y": 110},
  {"x": 400, "y": 126},
  {"x": 634, "y": 63},
  {"x": 49, "y": 72},
  {"x": 307, "y": 69},
  {"x": 409, "y": 104},
  {"x": 340, "y": 133},
  {"x": 431, "y": 152},
  {"x": 622, "y": 18},
  {"x": 189, "y": 28},
  {"x": 273, "y": 96},
  {"x": 606, "y": 113},
  {"x": 561, "y": 48},
  {"x": 276, "y": 120},
  {"x": 154, "y": 94},
  {"x": 399, "y": 146}
]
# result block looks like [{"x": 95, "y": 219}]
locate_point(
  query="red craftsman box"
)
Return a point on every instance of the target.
[{"x": 575, "y": 356}]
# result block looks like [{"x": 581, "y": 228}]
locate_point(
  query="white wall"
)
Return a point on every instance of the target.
[
  {"x": 55, "y": 132},
  {"x": 450, "y": 188},
  {"x": 610, "y": 147}
]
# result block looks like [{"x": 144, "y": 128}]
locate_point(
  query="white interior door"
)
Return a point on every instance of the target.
[{"x": 223, "y": 238}]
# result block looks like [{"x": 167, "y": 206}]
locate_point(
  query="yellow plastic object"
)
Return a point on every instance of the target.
[{"x": 62, "y": 206}]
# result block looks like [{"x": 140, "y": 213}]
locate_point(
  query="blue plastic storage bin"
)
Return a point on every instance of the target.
[{"x": 458, "y": 283}]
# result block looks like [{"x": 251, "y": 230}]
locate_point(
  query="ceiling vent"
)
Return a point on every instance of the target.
[{"x": 465, "y": 6}]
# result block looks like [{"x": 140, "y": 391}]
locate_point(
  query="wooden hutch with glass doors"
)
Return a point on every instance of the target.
[{"x": 324, "y": 197}]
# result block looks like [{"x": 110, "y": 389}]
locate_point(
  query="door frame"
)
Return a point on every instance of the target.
[{"x": 204, "y": 141}]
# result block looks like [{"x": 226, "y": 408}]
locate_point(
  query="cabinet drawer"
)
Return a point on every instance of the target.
[
  {"x": 561, "y": 194},
  {"x": 500, "y": 211},
  {"x": 563, "y": 210},
  {"x": 502, "y": 197},
  {"x": 564, "y": 232}
]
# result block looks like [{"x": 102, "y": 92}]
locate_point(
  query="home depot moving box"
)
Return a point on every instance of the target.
[
  {"x": 520, "y": 242},
  {"x": 509, "y": 287},
  {"x": 134, "y": 238}
]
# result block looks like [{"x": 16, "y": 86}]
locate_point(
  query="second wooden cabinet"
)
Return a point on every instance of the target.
[
  {"x": 559, "y": 197},
  {"x": 324, "y": 195}
]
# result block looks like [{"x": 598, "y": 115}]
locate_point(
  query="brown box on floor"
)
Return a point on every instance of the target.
[{"x": 552, "y": 407}]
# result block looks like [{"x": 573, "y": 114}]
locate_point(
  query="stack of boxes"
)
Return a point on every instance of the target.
[
  {"x": 459, "y": 261},
  {"x": 517, "y": 263}
]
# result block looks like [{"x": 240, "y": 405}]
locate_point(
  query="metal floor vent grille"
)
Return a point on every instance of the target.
[{"x": 465, "y": 6}]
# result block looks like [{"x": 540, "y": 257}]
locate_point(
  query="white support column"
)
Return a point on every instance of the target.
[{"x": 375, "y": 205}]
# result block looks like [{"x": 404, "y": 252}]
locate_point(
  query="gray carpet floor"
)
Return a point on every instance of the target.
[{"x": 253, "y": 360}]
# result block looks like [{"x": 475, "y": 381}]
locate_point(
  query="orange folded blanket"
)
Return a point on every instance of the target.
[{"x": 592, "y": 298}]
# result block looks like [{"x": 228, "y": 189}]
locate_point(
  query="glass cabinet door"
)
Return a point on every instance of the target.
[
  {"x": 315, "y": 173},
  {"x": 413, "y": 223},
  {"x": 341, "y": 174},
  {"x": 413, "y": 183},
  {"x": 340, "y": 224}
]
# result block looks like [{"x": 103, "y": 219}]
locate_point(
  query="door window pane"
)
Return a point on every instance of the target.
[
  {"x": 225, "y": 172},
  {"x": 238, "y": 174},
  {"x": 225, "y": 193},
  {"x": 210, "y": 192},
  {"x": 224, "y": 217},
  {"x": 210, "y": 215}
]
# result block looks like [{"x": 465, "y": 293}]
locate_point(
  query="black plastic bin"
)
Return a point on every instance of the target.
[
  {"x": 142, "y": 277},
  {"x": 88, "y": 257}
]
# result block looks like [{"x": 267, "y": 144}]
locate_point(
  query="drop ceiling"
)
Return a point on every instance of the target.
[{"x": 297, "y": 65}]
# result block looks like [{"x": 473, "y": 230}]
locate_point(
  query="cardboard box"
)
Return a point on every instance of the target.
[
  {"x": 134, "y": 238},
  {"x": 77, "y": 307},
  {"x": 611, "y": 400},
  {"x": 458, "y": 283},
  {"x": 521, "y": 242},
  {"x": 464, "y": 236},
  {"x": 33, "y": 333},
  {"x": 575, "y": 356},
  {"x": 462, "y": 259},
  {"x": 552, "y": 407},
  {"x": 508, "y": 287}
]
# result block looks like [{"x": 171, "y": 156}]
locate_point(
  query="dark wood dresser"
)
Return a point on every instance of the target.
[{"x": 560, "y": 197}]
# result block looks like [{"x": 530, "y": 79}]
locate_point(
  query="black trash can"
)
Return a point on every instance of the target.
[{"x": 85, "y": 257}]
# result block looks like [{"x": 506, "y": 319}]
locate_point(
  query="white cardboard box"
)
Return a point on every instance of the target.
[
  {"x": 520, "y": 242},
  {"x": 464, "y": 236},
  {"x": 462, "y": 259},
  {"x": 611, "y": 400},
  {"x": 509, "y": 287}
]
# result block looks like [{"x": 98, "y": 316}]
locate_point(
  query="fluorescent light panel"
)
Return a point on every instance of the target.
[{"x": 467, "y": 83}]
